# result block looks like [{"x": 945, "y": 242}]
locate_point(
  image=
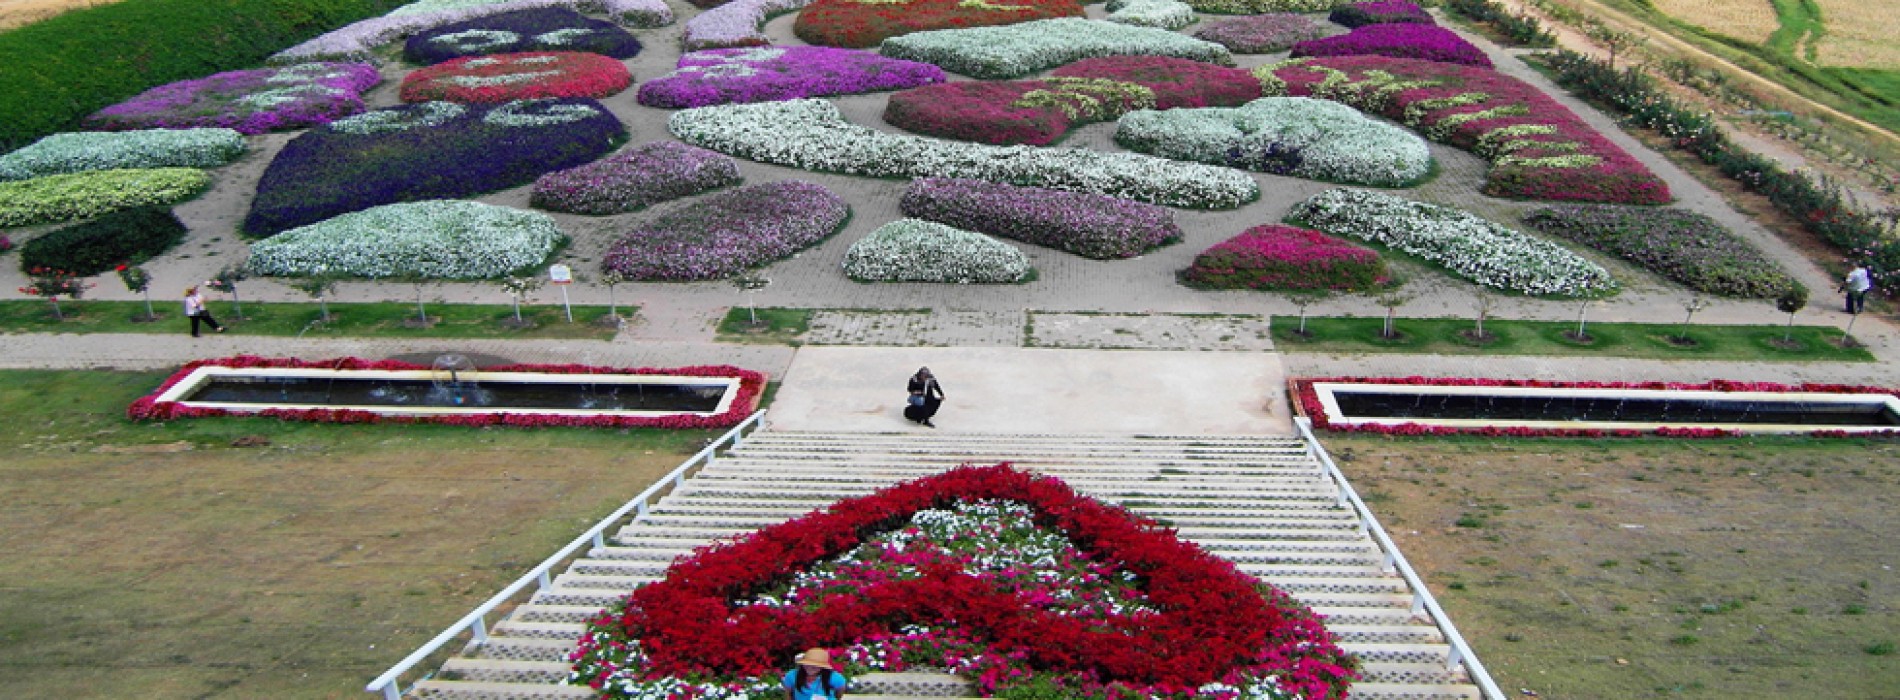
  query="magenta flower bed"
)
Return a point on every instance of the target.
[
  {"x": 1177, "y": 82},
  {"x": 248, "y": 101},
  {"x": 770, "y": 74},
  {"x": 1360, "y": 14},
  {"x": 724, "y": 234},
  {"x": 1420, "y": 41},
  {"x": 634, "y": 179},
  {"x": 1260, "y": 33},
  {"x": 1089, "y": 225},
  {"x": 1276, "y": 256},
  {"x": 1538, "y": 148}
]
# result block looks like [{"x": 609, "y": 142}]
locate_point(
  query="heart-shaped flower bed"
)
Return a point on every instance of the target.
[{"x": 1102, "y": 603}]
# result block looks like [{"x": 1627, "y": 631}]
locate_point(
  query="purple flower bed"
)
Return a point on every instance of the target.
[
  {"x": 1360, "y": 14},
  {"x": 358, "y": 40},
  {"x": 248, "y": 101},
  {"x": 1421, "y": 41},
  {"x": 1275, "y": 256},
  {"x": 432, "y": 150},
  {"x": 724, "y": 234},
  {"x": 771, "y": 74},
  {"x": 1260, "y": 33},
  {"x": 635, "y": 179},
  {"x": 1683, "y": 246},
  {"x": 735, "y": 23},
  {"x": 540, "y": 29},
  {"x": 1089, "y": 225}
]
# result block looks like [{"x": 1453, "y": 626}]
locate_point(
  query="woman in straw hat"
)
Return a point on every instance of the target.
[{"x": 814, "y": 678}]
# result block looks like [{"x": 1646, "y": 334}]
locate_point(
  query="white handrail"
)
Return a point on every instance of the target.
[
  {"x": 476, "y": 621},
  {"x": 1421, "y": 596}
]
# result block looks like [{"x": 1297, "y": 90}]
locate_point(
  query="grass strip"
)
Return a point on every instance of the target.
[
  {"x": 1649, "y": 341},
  {"x": 773, "y": 326},
  {"x": 347, "y": 320}
]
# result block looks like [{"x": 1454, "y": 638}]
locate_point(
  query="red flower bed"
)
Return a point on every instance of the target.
[
  {"x": 1212, "y": 620},
  {"x": 1538, "y": 148},
  {"x": 1307, "y": 400},
  {"x": 1275, "y": 256},
  {"x": 751, "y": 384},
  {"x": 517, "y": 76},
  {"x": 859, "y": 25}
]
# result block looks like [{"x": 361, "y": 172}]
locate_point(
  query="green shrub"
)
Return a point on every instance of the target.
[
  {"x": 70, "y": 196},
  {"x": 100, "y": 244}
]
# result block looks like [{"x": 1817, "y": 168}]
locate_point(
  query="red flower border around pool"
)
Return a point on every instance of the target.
[
  {"x": 751, "y": 385},
  {"x": 1306, "y": 401}
]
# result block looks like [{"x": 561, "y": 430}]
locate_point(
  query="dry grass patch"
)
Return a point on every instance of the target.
[
  {"x": 1749, "y": 20},
  {"x": 1860, "y": 34},
  {"x": 15, "y": 13}
]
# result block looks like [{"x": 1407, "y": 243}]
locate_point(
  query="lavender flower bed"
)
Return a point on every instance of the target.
[
  {"x": 1683, "y": 246},
  {"x": 635, "y": 179},
  {"x": 1260, "y": 33},
  {"x": 771, "y": 74},
  {"x": 248, "y": 101},
  {"x": 357, "y": 41},
  {"x": 726, "y": 233},
  {"x": 1089, "y": 225},
  {"x": 736, "y": 23},
  {"x": 540, "y": 29},
  {"x": 1360, "y": 14},
  {"x": 432, "y": 150},
  {"x": 1422, "y": 41},
  {"x": 909, "y": 250}
]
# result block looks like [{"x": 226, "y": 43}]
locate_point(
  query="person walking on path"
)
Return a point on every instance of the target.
[
  {"x": 195, "y": 309},
  {"x": 814, "y": 678},
  {"x": 1858, "y": 282},
  {"x": 926, "y": 396}
]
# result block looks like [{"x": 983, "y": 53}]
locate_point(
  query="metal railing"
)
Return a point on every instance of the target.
[
  {"x": 476, "y": 622},
  {"x": 1422, "y": 601}
]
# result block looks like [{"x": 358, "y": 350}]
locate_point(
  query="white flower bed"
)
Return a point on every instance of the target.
[
  {"x": 1484, "y": 252},
  {"x": 441, "y": 239},
  {"x": 1020, "y": 49},
  {"x": 356, "y": 41},
  {"x": 812, "y": 135},
  {"x": 1297, "y": 136},
  {"x": 734, "y": 24},
  {"x": 81, "y": 151},
  {"x": 912, "y": 250},
  {"x": 1164, "y": 14}
]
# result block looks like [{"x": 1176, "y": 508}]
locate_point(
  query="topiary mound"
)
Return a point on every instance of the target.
[
  {"x": 426, "y": 240},
  {"x": 910, "y": 250},
  {"x": 1684, "y": 246},
  {"x": 80, "y": 151},
  {"x": 1294, "y": 136},
  {"x": 1276, "y": 257},
  {"x": 1089, "y": 225},
  {"x": 539, "y": 29},
  {"x": 635, "y": 179},
  {"x": 770, "y": 74},
  {"x": 84, "y": 195},
  {"x": 100, "y": 244},
  {"x": 724, "y": 234},
  {"x": 517, "y": 76}
]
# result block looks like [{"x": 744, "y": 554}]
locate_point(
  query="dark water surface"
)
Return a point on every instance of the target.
[
  {"x": 1607, "y": 408},
  {"x": 359, "y": 391}
]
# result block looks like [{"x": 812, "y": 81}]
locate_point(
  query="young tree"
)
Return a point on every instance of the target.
[
  {"x": 1616, "y": 41},
  {"x": 136, "y": 279},
  {"x": 1303, "y": 298},
  {"x": 751, "y": 283},
  {"x": 318, "y": 287},
  {"x": 1583, "y": 309},
  {"x": 1392, "y": 301},
  {"x": 419, "y": 283},
  {"x": 1790, "y": 302},
  {"x": 227, "y": 281},
  {"x": 1483, "y": 301},
  {"x": 610, "y": 279},
  {"x": 518, "y": 288},
  {"x": 53, "y": 284},
  {"x": 1694, "y": 304}
]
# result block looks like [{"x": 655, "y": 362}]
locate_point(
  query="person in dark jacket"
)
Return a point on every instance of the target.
[{"x": 926, "y": 396}]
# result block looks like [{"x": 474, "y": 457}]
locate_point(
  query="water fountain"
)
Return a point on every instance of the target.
[{"x": 1370, "y": 402}]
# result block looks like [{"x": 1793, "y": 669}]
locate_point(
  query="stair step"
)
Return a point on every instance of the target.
[
  {"x": 505, "y": 671},
  {"x": 486, "y": 690}
]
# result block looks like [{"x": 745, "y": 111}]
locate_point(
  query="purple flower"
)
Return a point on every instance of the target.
[
  {"x": 539, "y": 29},
  {"x": 635, "y": 179},
  {"x": 1423, "y": 41},
  {"x": 724, "y": 234},
  {"x": 1260, "y": 33},
  {"x": 1089, "y": 225},
  {"x": 1360, "y": 14},
  {"x": 772, "y": 74},
  {"x": 248, "y": 101},
  {"x": 734, "y": 24}
]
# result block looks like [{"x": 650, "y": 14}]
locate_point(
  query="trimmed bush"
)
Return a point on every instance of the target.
[
  {"x": 85, "y": 195},
  {"x": 635, "y": 179},
  {"x": 249, "y": 101},
  {"x": 1293, "y": 136},
  {"x": 770, "y": 74},
  {"x": 1428, "y": 42},
  {"x": 909, "y": 250},
  {"x": 726, "y": 233},
  {"x": 428, "y": 240},
  {"x": 98, "y": 245},
  {"x": 1089, "y": 225},
  {"x": 1684, "y": 246},
  {"x": 517, "y": 76},
  {"x": 1020, "y": 49},
  {"x": 1275, "y": 256},
  {"x": 862, "y": 25},
  {"x": 1260, "y": 33},
  {"x": 1360, "y": 14},
  {"x": 540, "y": 29},
  {"x": 80, "y": 151}
]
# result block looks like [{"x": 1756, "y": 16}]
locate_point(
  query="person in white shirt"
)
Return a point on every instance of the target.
[
  {"x": 195, "y": 309},
  {"x": 1858, "y": 282}
]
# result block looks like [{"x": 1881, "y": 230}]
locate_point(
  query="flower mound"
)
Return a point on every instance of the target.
[
  {"x": 428, "y": 240},
  {"x": 812, "y": 135},
  {"x": 1421, "y": 41},
  {"x": 250, "y": 101},
  {"x": 358, "y": 41},
  {"x": 85, "y": 195},
  {"x": 105, "y": 242},
  {"x": 517, "y": 76},
  {"x": 862, "y": 24},
  {"x": 1089, "y": 225},
  {"x": 724, "y": 76},
  {"x": 1683, "y": 246},
  {"x": 541, "y": 29},
  {"x": 1255, "y": 7},
  {"x": 734, "y": 24},
  {"x": 1037, "y": 112},
  {"x": 76, "y": 152},
  {"x": 1020, "y": 49},
  {"x": 751, "y": 385},
  {"x": 433, "y": 150},
  {"x": 726, "y": 233},
  {"x": 1161, "y": 14},
  {"x": 1187, "y": 621},
  {"x": 1360, "y": 14},
  {"x": 1285, "y": 257},
  {"x": 1293, "y": 136},
  {"x": 1476, "y": 249},
  {"x": 910, "y": 250},
  {"x": 635, "y": 179},
  {"x": 1260, "y": 33}
]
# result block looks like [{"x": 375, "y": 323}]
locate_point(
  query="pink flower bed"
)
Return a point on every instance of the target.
[
  {"x": 248, "y": 101},
  {"x": 771, "y": 74},
  {"x": 1177, "y": 82},
  {"x": 1421, "y": 41},
  {"x": 1090, "y": 225},
  {"x": 517, "y": 76},
  {"x": 1538, "y": 148},
  {"x": 1276, "y": 256},
  {"x": 1360, "y": 14},
  {"x": 751, "y": 384},
  {"x": 1260, "y": 33}
]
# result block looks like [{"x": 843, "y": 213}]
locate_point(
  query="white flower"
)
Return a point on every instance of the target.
[
  {"x": 1164, "y": 14},
  {"x": 1016, "y": 50},
  {"x": 912, "y": 250},
  {"x": 1296, "y": 136},
  {"x": 76, "y": 152},
  {"x": 385, "y": 121},
  {"x": 443, "y": 239}
]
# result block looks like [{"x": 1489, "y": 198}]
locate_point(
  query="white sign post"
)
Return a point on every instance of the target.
[{"x": 562, "y": 276}]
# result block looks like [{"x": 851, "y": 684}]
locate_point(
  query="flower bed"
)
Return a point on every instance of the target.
[
  {"x": 634, "y": 179},
  {"x": 1176, "y": 82},
  {"x": 75, "y": 152},
  {"x": 539, "y": 29},
  {"x": 444, "y": 239},
  {"x": 1161, "y": 14},
  {"x": 862, "y": 24},
  {"x": 1293, "y": 136},
  {"x": 1255, "y": 7},
  {"x": 1089, "y": 225},
  {"x": 1260, "y": 33},
  {"x": 1285, "y": 257},
  {"x": 432, "y": 150},
  {"x": 751, "y": 385},
  {"x": 812, "y": 135},
  {"x": 734, "y": 24},
  {"x": 1021, "y": 49},
  {"x": 249, "y": 101},
  {"x": 725, "y": 234},
  {"x": 913, "y": 250},
  {"x": 1473, "y": 248},
  {"x": 358, "y": 41},
  {"x": 1037, "y": 112},
  {"x": 105, "y": 242},
  {"x": 70, "y": 196},
  {"x": 1419, "y": 41},
  {"x": 517, "y": 76},
  {"x": 724, "y": 76},
  {"x": 883, "y": 578},
  {"x": 1538, "y": 149},
  {"x": 1683, "y": 246},
  {"x": 1360, "y": 14}
]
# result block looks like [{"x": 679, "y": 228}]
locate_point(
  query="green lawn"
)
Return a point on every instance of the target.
[
  {"x": 1450, "y": 336},
  {"x": 375, "y": 320}
]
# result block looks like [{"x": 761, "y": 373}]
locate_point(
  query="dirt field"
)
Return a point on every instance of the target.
[{"x": 14, "y": 13}]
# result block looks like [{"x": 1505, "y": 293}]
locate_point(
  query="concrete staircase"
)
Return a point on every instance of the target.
[{"x": 1262, "y": 503}]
